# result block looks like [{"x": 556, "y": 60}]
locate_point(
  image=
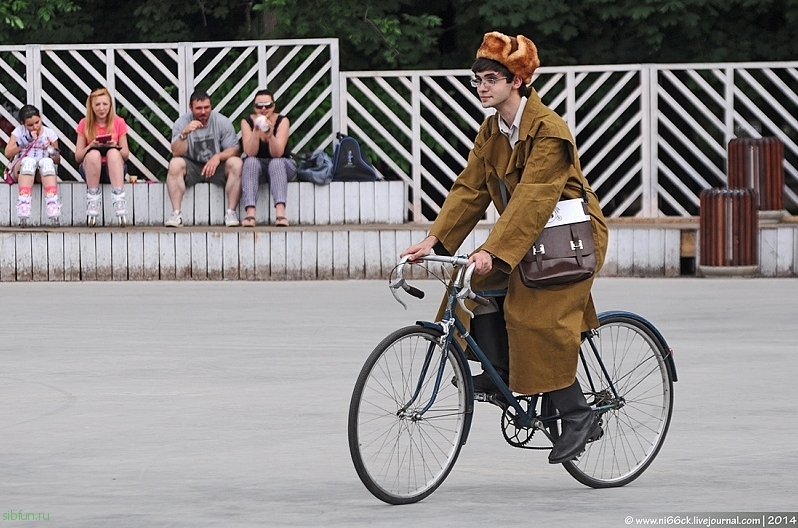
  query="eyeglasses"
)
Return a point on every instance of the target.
[
  {"x": 490, "y": 82},
  {"x": 264, "y": 105}
]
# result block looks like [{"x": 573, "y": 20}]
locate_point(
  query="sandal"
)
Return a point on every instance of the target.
[
  {"x": 249, "y": 221},
  {"x": 281, "y": 221}
]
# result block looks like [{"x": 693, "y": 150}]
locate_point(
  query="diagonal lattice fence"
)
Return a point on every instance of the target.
[
  {"x": 152, "y": 83},
  {"x": 651, "y": 137}
]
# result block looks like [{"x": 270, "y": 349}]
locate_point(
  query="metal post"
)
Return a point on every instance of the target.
[
  {"x": 570, "y": 100},
  {"x": 649, "y": 131},
  {"x": 110, "y": 74},
  {"x": 338, "y": 90},
  {"x": 729, "y": 109},
  {"x": 415, "y": 117},
  {"x": 33, "y": 74},
  {"x": 185, "y": 74}
]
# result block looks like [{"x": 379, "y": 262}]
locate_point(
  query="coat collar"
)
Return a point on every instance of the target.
[
  {"x": 496, "y": 143},
  {"x": 531, "y": 114}
]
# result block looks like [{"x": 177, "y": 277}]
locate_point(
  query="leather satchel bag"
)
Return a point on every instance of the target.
[{"x": 564, "y": 253}]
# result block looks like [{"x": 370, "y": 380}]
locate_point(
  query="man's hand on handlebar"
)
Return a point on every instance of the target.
[
  {"x": 422, "y": 249},
  {"x": 483, "y": 262}
]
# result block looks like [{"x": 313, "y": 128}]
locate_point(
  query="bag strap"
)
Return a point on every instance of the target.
[
  {"x": 503, "y": 190},
  {"x": 13, "y": 165}
]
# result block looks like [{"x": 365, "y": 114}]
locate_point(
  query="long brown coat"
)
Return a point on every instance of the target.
[{"x": 543, "y": 325}]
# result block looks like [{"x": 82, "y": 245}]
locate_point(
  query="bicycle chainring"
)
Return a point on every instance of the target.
[{"x": 514, "y": 433}]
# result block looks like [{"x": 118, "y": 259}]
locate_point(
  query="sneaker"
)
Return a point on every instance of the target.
[
  {"x": 231, "y": 219},
  {"x": 175, "y": 220}
]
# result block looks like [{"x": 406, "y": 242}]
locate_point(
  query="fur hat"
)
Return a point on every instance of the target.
[{"x": 517, "y": 54}]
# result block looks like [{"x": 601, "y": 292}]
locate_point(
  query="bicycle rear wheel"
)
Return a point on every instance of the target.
[
  {"x": 635, "y": 421},
  {"x": 401, "y": 452}
]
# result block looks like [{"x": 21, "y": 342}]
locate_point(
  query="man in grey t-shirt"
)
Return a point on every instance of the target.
[{"x": 204, "y": 149}]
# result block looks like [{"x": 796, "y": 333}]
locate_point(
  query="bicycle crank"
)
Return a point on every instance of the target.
[{"x": 516, "y": 434}]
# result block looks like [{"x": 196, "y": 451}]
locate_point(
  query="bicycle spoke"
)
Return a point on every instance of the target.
[
  {"x": 403, "y": 452},
  {"x": 634, "y": 425}
]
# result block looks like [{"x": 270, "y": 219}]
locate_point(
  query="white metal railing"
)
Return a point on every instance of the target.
[
  {"x": 651, "y": 137},
  {"x": 151, "y": 85}
]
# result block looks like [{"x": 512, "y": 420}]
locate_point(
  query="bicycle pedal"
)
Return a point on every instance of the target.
[
  {"x": 491, "y": 397},
  {"x": 597, "y": 435}
]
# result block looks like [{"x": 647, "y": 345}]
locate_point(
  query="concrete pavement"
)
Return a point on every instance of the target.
[{"x": 224, "y": 404}]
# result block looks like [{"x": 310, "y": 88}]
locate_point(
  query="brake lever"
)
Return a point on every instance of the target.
[
  {"x": 465, "y": 292},
  {"x": 399, "y": 281},
  {"x": 395, "y": 296}
]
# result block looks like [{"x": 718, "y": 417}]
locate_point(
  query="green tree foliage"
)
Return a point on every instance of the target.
[
  {"x": 407, "y": 34},
  {"x": 27, "y": 17},
  {"x": 377, "y": 33},
  {"x": 197, "y": 21},
  {"x": 639, "y": 31}
]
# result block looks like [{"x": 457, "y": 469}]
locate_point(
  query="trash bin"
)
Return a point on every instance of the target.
[
  {"x": 729, "y": 232},
  {"x": 758, "y": 163}
]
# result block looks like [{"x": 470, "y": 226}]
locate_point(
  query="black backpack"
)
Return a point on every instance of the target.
[{"x": 348, "y": 162}]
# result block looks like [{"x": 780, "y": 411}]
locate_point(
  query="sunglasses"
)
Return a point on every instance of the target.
[{"x": 264, "y": 105}]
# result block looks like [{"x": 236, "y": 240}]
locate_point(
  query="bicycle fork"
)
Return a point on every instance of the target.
[{"x": 418, "y": 414}]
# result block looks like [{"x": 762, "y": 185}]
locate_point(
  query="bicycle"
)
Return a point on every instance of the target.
[{"x": 412, "y": 405}]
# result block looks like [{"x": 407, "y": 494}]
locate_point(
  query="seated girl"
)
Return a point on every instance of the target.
[
  {"x": 101, "y": 149},
  {"x": 34, "y": 148}
]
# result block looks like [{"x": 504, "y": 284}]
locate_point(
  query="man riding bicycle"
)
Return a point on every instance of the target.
[{"x": 526, "y": 152}]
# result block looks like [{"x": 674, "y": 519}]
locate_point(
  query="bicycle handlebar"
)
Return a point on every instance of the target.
[
  {"x": 462, "y": 281},
  {"x": 412, "y": 290}
]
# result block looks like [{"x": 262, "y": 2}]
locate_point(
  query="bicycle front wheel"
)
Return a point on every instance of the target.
[
  {"x": 409, "y": 415},
  {"x": 635, "y": 417}
]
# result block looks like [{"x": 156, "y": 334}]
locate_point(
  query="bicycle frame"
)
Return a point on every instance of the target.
[
  {"x": 406, "y": 430},
  {"x": 450, "y": 320}
]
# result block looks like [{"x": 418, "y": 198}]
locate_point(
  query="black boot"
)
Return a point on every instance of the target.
[
  {"x": 490, "y": 333},
  {"x": 578, "y": 420}
]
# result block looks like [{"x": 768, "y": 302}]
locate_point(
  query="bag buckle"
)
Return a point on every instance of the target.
[
  {"x": 577, "y": 244},
  {"x": 539, "y": 248}
]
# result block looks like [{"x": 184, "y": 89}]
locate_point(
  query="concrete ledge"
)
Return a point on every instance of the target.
[
  {"x": 727, "y": 271},
  {"x": 197, "y": 253},
  {"x": 380, "y": 202},
  {"x": 675, "y": 222},
  {"x": 362, "y": 251}
]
